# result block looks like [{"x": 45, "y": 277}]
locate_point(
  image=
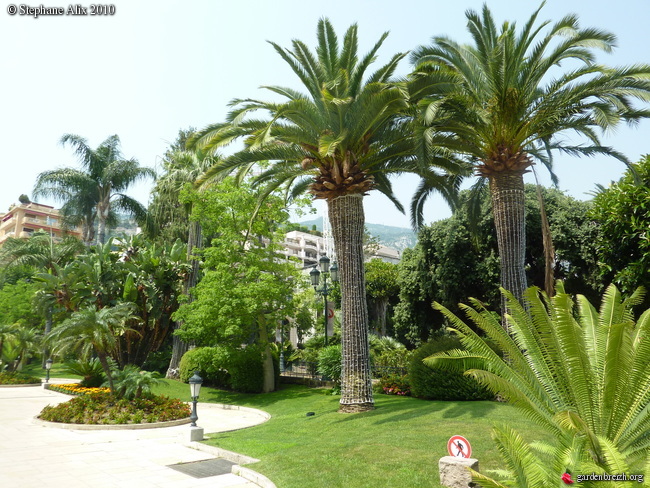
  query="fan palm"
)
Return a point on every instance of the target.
[
  {"x": 95, "y": 191},
  {"x": 340, "y": 140},
  {"x": 506, "y": 101},
  {"x": 91, "y": 329},
  {"x": 579, "y": 373}
]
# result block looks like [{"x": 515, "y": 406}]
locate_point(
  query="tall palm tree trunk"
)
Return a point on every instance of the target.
[
  {"x": 508, "y": 205},
  {"x": 180, "y": 347},
  {"x": 347, "y": 220}
]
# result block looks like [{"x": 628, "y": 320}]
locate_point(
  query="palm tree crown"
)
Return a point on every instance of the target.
[
  {"x": 95, "y": 191},
  {"x": 506, "y": 100}
]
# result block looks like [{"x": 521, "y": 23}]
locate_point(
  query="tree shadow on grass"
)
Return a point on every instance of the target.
[
  {"x": 397, "y": 409},
  {"x": 257, "y": 400}
]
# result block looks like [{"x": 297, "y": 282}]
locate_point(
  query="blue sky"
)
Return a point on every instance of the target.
[{"x": 155, "y": 67}]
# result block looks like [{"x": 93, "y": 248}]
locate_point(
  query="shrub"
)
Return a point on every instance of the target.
[
  {"x": 329, "y": 364},
  {"x": 395, "y": 384},
  {"x": 247, "y": 371},
  {"x": 105, "y": 408},
  {"x": 131, "y": 382},
  {"x": 212, "y": 363},
  {"x": 91, "y": 371},
  {"x": 17, "y": 379},
  {"x": 435, "y": 384}
]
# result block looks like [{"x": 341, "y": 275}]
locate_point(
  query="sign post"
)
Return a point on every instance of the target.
[{"x": 458, "y": 446}]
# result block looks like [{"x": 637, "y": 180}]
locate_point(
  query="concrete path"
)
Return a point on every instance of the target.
[{"x": 33, "y": 455}]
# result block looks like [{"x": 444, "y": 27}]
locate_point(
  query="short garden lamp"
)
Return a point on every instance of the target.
[
  {"x": 48, "y": 367},
  {"x": 195, "y": 388}
]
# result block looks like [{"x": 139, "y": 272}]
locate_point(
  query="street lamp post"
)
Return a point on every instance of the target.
[
  {"x": 195, "y": 388},
  {"x": 48, "y": 367},
  {"x": 315, "y": 275}
]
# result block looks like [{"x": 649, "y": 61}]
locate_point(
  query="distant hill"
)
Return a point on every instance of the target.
[{"x": 399, "y": 238}]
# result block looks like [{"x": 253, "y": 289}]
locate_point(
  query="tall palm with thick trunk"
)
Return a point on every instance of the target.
[
  {"x": 95, "y": 192},
  {"x": 340, "y": 140},
  {"x": 506, "y": 100}
]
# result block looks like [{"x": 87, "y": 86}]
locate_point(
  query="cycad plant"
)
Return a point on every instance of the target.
[
  {"x": 130, "y": 382},
  {"x": 580, "y": 373}
]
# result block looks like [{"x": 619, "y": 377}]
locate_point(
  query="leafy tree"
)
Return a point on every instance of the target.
[
  {"x": 16, "y": 305},
  {"x": 578, "y": 372},
  {"x": 95, "y": 192},
  {"x": 39, "y": 251},
  {"x": 90, "y": 329},
  {"x": 504, "y": 103},
  {"x": 457, "y": 258},
  {"x": 246, "y": 289},
  {"x": 131, "y": 383},
  {"x": 381, "y": 288},
  {"x": 623, "y": 211},
  {"x": 340, "y": 140}
]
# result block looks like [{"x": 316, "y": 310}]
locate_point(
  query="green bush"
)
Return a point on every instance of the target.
[
  {"x": 433, "y": 384},
  {"x": 212, "y": 363},
  {"x": 329, "y": 363},
  {"x": 91, "y": 371},
  {"x": 131, "y": 382},
  {"x": 247, "y": 371},
  {"x": 395, "y": 384}
]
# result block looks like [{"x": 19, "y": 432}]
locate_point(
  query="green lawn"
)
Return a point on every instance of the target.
[
  {"x": 396, "y": 445},
  {"x": 57, "y": 371}
]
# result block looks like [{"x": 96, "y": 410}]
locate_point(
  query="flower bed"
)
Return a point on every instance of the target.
[
  {"x": 105, "y": 408},
  {"x": 18, "y": 379},
  {"x": 75, "y": 389}
]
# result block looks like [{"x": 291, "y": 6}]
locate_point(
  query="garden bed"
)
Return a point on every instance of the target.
[
  {"x": 102, "y": 409},
  {"x": 18, "y": 379}
]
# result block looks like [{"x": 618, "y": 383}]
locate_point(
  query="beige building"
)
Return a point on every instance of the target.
[
  {"x": 24, "y": 219},
  {"x": 309, "y": 248}
]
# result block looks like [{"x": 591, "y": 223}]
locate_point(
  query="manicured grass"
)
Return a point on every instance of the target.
[
  {"x": 396, "y": 445},
  {"x": 57, "y": 371}
]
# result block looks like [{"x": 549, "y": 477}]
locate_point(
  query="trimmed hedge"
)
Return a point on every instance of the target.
[
  {"x": 433, "y": 384},
  {"x": 212, "y": 363},
  {"x": 241, "y": 370}
]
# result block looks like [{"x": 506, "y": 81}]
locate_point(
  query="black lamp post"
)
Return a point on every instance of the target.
[
  {"x": 48, "y": 367},
  {"x": 315, "y": 275},
  {"x": 195, "y": 388}
]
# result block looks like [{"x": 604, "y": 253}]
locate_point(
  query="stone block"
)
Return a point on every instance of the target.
[
  {"x": 196, "y": 434},
  {"x": 454, "y": 472}
]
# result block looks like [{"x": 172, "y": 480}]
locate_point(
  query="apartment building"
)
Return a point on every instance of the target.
[
  {"x": 309, "y": 248},
  {"x": 24, "y": 219}
]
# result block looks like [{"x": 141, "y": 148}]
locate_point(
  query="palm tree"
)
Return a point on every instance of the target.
[
  {"x": 340, "y": 140},
  {"x": 578, "y": 372},
  {"x": 171, "y": 219},
  {"x": 91, "y": 329},
  {"x": 506, "y": 102},
  {"x": 95, "y": 191}
]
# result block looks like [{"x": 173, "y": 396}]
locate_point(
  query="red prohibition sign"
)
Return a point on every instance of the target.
[
  {"x": 330, "y": 313},
  {"x": 458, "y": 446}
]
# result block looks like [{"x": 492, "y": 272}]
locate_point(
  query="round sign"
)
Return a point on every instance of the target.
[
  {"x": 458, "y": 446},
  {"x": 330, "y": 313}
]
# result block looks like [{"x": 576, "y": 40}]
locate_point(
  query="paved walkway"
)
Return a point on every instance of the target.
[{"x": 34, "y": 456}]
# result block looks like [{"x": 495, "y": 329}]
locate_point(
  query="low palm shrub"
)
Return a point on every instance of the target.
[
  {"x": 580, "y": 374},
  {"x": 91, "y": 371},
  {"x": 432, "y": 383},
  {"x": 131, "y": 383}
]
